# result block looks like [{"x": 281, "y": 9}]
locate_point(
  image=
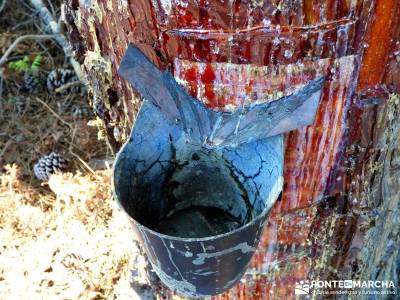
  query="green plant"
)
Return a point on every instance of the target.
[
  {"x": 37, "y": 62},
  {"x": 20, "y": 65},
  {"x": 12, "y": 100},
  {"x": 24, "y": 64}
]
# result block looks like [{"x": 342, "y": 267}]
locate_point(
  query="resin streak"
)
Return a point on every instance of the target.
[{"x": 227, "y": 53}]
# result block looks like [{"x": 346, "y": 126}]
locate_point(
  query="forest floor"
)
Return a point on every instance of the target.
[{"x": 63, "y": 238}]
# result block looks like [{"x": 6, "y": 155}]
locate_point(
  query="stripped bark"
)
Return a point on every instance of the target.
[
  {"x": 340, "y": 178},
  {"x": 379, "y": 258}
]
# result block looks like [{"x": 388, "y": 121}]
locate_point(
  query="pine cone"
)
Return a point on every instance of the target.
[
  {"x": 60, "y": 77},
  {"x": 48, "y": 165},
  {"x": 33, "y": 82}
]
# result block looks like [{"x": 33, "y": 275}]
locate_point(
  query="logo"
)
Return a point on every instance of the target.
[
  {"x": 348, "y": 284},
  {"x": 344, "y": 287},
  {"x": 302, "y": 288}
]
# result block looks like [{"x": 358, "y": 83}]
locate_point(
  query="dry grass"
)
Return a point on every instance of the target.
[
  {"x": 63, "y": 239},
  {"x": 36, "y": 131},
  {"x": 71, "y": 244}
]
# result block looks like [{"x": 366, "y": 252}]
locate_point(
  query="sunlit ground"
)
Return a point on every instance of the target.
[{"x": 71, "y": 244}]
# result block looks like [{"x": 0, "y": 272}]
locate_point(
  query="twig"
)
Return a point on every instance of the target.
[
  {"x": 83, "y": 162},
  {"x": 23, "y": 38},
  {"x": 15, "y": 27},
  {"x": 1, "y": 93},
  {"x": 77, "y": 156},
  {"x": 67, "y": 85},
  {"x": 53, "y": 12},
  {"x": 27, "y": 7},
  {"x": 2, "y": 5},
  {"x": 6, "y": 146},
  {"x": 49, "y": 21},
  {"x": 53, "y": 112}
]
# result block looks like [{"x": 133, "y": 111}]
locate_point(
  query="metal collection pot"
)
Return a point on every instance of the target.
[{"x": 198, "y": 184}]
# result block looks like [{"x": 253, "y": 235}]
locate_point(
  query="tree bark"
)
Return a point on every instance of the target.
[{"x": 338, "y": 216}]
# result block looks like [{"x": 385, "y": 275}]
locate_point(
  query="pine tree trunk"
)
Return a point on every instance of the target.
[{"x": 339, "y": 214}]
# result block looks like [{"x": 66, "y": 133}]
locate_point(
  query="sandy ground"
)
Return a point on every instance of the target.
[
  {"x": 80, "y": 248},
  {"x": 72, "y": 244}
]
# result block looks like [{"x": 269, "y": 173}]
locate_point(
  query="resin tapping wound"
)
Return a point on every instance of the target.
[{"x": 198, "y": 222}]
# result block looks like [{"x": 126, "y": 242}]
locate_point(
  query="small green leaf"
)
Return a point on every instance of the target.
[
  {"x": 37, "y": 62},
  {"x": 12, "y": 99},
  {"x": 21, "y": 65}
]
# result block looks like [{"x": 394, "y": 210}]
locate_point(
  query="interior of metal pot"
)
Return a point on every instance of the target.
[
  {"x": 202, "y": 197},
  {"x": 194, "y": 195},
  {"x": 180, "y": 189}
]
